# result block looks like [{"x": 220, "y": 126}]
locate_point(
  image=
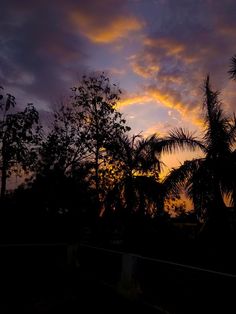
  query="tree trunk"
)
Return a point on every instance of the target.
[
  {"x": 3, "y": 181},
  {"x": 97, "y": 161},
  {"x": 218, "y": 219},
  {"x": 97, "y": 179}
]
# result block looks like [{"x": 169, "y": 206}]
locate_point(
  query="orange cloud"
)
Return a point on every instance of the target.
[
  {"x": 171, "y": 46},
  {"x": 105, "y": 33},
  {"x": 135, "y": 99},
  {"x": 146, "y": 67},
  {"x": 167, "y": 99},
  {"x": 166, "y": 66},
  {"x": 174, "y": 101}
]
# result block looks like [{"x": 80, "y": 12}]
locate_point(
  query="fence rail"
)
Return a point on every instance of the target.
[
  {"x": 169, "y": 286},
  {"x": 166, "y": 285}
]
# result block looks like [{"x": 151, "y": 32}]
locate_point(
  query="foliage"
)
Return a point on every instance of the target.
[
  {"x": 138, "y": 189},
  {"x": 95, "y": 102},
  {"x": 175, "y": 206},
  {"x": 58, "y": 194},
  {"x": 232, "y": 70},
  {"x": 64, "y": 148},
  {"x": 19, "y": 138},
  {"x": 207, "y": 179},
  {"x": 82, "y": 129}
]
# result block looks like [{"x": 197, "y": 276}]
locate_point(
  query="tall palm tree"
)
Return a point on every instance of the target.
[{"x": 209, "y": 178}]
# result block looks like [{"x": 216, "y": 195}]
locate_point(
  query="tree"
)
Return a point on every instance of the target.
[
  {"x": 137, "y": 189},
  {"x": 232, "y": 70},
  {"x": 64, "y": 148},
  {"x": 56, "y": 194},
  {"x": 207, "y": 179},
  {"x": 19, "y": 138},
  {"x": 95, "y": 100},
  {"x": 232, "y": 73}
]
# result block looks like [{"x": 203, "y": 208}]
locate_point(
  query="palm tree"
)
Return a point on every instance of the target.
[
  {"x": 138, "y": 194},
  {"x": 209, "y": 178},
  {"x": 137, "y": 189}
]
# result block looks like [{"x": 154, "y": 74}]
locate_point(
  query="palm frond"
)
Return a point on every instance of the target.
[
  {"x": 178, "y": 178},
  {"x": 228, "y": 179},
  {"x": 232, "y": 131},
  {"x": 195, "y": 178},
  {"x": 139, "y": 194},
  {"x": 217, "y": 136},
  {"x": 179, "y": 139},
  {"x": 146, "y": 158}
]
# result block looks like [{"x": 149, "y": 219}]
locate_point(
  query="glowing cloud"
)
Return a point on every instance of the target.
[
  {"x": 174, "y": 101},
  {"x": 133, "y": 100},
  {"x": 119, "y": 27}
]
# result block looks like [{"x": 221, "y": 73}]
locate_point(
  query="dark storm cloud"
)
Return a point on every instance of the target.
[
  {"x": 105, "y": 21},
  {"x": 46, "y": 45},
  {"x": 40, "y": 52}
]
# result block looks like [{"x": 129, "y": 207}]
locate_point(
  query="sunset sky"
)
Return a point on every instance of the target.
[{"x": 159, "y": 51}]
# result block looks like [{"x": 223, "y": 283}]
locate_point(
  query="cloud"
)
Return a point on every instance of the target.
[
  {"x": 104, "y": 21},
  {"x": 169, "y": 99},
  {"x": 172, "y": 99},
  {"x": 105, "y": 32},
  {"x": 159, "y": 128},
  {"x": 44, "y": 46},
  {"x": 129, "y": 100},
  {"x": 169, "y": 45},
  {"x": 189, "y": 40},
  {"x": 40, "y": 54}
]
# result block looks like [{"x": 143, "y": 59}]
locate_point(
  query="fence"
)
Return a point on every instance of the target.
[
  {"x": 168, "y": 286},
  {"x": 165, "y": 285}
]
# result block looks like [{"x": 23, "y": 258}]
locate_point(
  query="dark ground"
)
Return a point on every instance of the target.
[
  {"x": 64, "y": 294},
  {"x": 36, "y": 279}
]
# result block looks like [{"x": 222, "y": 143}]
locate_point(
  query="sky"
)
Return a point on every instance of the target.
[{"x": 158, "y": 51}]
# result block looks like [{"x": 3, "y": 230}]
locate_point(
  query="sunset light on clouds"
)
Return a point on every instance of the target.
[{"x": 158, "y": 51}]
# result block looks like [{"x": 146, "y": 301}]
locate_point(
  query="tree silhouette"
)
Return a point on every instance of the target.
[
  {"x": 57, "y": 194},
  {"x": 19, "y": 138},
  {"x": 232, "y": 70},
  {"x": 137, "y": 189},
  {"x": 95, "y": 100},
  {"x": 207, "y": 179},
  {"x": 64, "y": 148}
]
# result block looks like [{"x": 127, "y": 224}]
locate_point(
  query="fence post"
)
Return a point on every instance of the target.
[
  {"x": 72, "y": 255},
  {"x": 128, "y": 284}
]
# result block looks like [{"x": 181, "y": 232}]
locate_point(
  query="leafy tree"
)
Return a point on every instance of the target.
[
  {"x": 19, "y": 137},
  {"x": 64, "y": 148},
  {"x": 82, "y": 129},
  {"x": 58, "y": 194},
  {"x": 207, "y": 179},
  {"x": 95, "y": 100}
]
